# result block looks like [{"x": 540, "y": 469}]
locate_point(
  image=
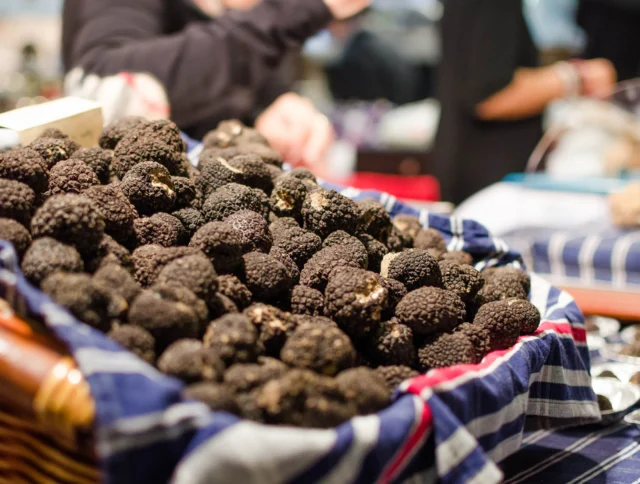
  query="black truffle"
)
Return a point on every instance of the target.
[
  {"x": 221, "y": 244},
  {"x": 317, "y": 270},
  {"x": 53, "y": 150},
  {"x": 215, "y": 172},
  {"x": 219, "y": 305},
  {"x": 376, "y": 251},
  {"x": 16, "y": 201},
  {"x": 351, "y": 243},
  {"x": 508, "y": 272},
  {"x": 234, "y": 339},
  {"x": 215, "y": 395},
  {"x": 355, "y": 299},
  {"x": 253, "y": 231},
  {"x": 526, "y": 314},
  {"x": 149, "y": 187},
  {"x": 119, "y": 280},
  {"x": 191, "y": 218},
  {"x": 46, "y": 256},
  {"x": 502, "y": 323},
  {"x": 408, "y": 225},
  {"x": 394, "y": 375},
  {"x": 392, "y": 344},
  {"x": 281, "y": 224},
  {"x": 134, "y": 149},
  {"x": 266, "y": 278},
  {"x": 305, "y": 300},
  {"x": 190, "y": 361},
  {"x": 274, "y": 325},
  {"x": 232, "y": 198},
  {"x": 430, "y": 239},
  {"x": 323, "y": 349},
  {"x": 160, "y": 228},
  {"x": 72, "y": 219},
  {"x": 245, "y": 377},
  {"x": 115, "y": 131},
  {"x": 87, "y": 300},
  {"x": 148, "y": 260},
  {"x": 300, "y": 244},
  {"x": 366, "y": 388},
  {"x": 53, "y": 133},
  {"x": 479, "y": 336},
  {"x": 304, "y": 174},
  {"x": 195, "y": 272},
  {"x": 430, "y": 310},
  {"x": 325, "y": 211},
  {"x": 25, "y": 166},
  {"x": 71, "y": 176},
  {"x": 446, "y": 350},
  {"x": 459, "y": 257},
  {"x": 116, "y": 210},
  {"x": 165, "y": 130},
  {"x": 13, "y": 232},
  {"x": 398, "y": 241},
  {"x": 135, "y": 339},
  {"x": 318, "y": 321},
  {"x": 108, "y": 252},
  {"x": 230, "y": 286},
  {"x": 374, "y": 219},
  {"x": 414, "y": 268},
  {"x": 185, "y": 191},
  {"x": 396, "y": 292},
  {"x": 464, "y": 280},
  {"x": 253, "y": 171},
  {"x": 98, "y": 160},
  {"x": 287, "y": 197},
  {"x": 500, "y": 288},
  {"x": 285, "y": 259}
]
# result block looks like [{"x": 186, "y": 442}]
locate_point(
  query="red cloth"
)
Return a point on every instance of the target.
[{"x": 423, "y": 187}]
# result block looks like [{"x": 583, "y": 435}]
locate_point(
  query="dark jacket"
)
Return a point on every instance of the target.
[{"x": 211, "y": 69}]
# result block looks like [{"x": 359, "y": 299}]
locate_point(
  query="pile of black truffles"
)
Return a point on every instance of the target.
[{"x": 271, "y": 297}]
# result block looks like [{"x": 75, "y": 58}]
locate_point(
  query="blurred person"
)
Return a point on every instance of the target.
[
  {"x": 200, "y": 62},
  {"x": 492, "y": 93}
]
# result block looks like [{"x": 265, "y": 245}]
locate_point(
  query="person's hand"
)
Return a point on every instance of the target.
[
  {"x": 598, "y": 77},
  {"x": 342, "y": 9},
  {"x": 296, "y": 129}
]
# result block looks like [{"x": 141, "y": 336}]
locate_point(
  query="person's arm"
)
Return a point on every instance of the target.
[{"x": 207, "y": 69}]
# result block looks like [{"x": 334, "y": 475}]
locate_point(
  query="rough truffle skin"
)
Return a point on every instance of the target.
[
  {"x": 221, "y": 244},
  {"x": 266, "y": 278},
  {"x": 165, "y": 319},
  {"x": 398, "y": 241},
  {"x": 446, "y": 350},
  {"x": 114, "y": 132},
  {"x": 165, "y": 130},
  {"x": 15, "y": 233},
  {"x": 274, "y": 325},
  {"x": 25, "y": 166},
  {"x": 116, "y": 210},
  {"x": 323, "y": 349},
  {"x": 414, "y": 268},
  {"x": 305, "y": 300},
  {"x": 526, "y": 314},
  {"x": 318, "y": 321},
  {"x": 230, "y": 286},
  {"x": 46, "y": 256},
  {"x": 185, "y": 191},
  {"x": 253, "y": 230},
  {"x": 464, "y": 280},
  {"x": 503, "y": 323},
  {"x": 300, "y": 244},
  {"x": 287, "y": 197},
  {"x": 195, "y": 272},
  {"x": 135, "y": 339},
  {"x": 71, "y": 219},
  {"x": 284, "y": 223},
  {"x": 508, "y": 272},
  {"x": 392, "y": 344},
  {"x": 355, "y": 246},
  {"x": 71, "y": 176},
  {"x": 160, "y": 228},
  {"x": 408, "y": 225},
  {"x": 90, "y": 302},
  {"x": 303, "y": 174},
  {"x": 430, "y": 310},
  {"x": 242, "y": 378},
  {"x": 501, "y": 287},
  {"x": 254, "y": 172},
  {"x": 355, "y": 299},
  {"x": 325, "y": 211},
  {"x": 52, "y": 150},
  {"x": 430, "y": 239},
  {"x": 192, "y": 220},
  {"x": 97, "y": 159},
  {"x": 316, "y": 271},
  {"x": 396, "y": 292},
  {"x": 232, "y": 198},
  {"x": 109, "y": 252},
  {"x": 119, "y": 280},
  {"x": 149, "y": 187},
  {"x": 148, "y": 260},
  {"x": 134, "y": 149},
  {"x": 216, "y": 396},
  {"x": 459, "y": 257},
  {"x": 393, "y": 375},
  {"x": 215, "y": 172},
  {"x": 376, "y": 251},
  {"x": 283, "y": 257},
  {"x": 16, "y": 201},
  {"x": 234, "y": 339},
  {"x": 366, "y": 388},
  {"x": 479, "y": 336},
  {"x": 190, "y": 361},
  {"x": 219, "y": 305},
  {"x": 374, "y": 219}
]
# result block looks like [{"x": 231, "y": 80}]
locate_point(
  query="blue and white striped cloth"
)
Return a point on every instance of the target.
[
  {"x": 452, "y": 423},
  {"x": 591, "y": 257}
]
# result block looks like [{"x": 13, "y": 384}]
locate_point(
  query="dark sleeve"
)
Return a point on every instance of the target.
[
  {"x": 210, "y": 68},
  {"x": 490, "y": 47}
]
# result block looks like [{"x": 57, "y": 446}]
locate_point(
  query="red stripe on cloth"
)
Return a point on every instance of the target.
[
  {"x": 413, "y": 443},
  {"x": 579, "y": 334}
]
